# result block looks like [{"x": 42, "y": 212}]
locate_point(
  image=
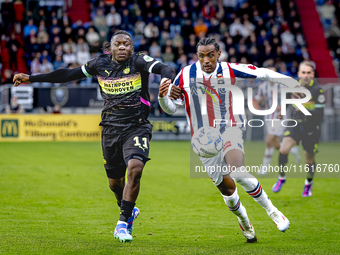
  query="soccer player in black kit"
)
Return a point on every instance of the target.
[
  {"x": 123, "y": 77},
  {"x": 307, "y": 129}
]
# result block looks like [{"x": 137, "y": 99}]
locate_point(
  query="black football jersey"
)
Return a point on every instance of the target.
[
  {"x": 124, "y": 88},
  {"x": 315, "y": 106}
]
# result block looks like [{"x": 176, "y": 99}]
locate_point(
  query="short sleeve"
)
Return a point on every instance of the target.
[
  {"x": 145, "y": 63},
  {"x": 89, "y": 69},
  {"x": 319, "y": 98}
]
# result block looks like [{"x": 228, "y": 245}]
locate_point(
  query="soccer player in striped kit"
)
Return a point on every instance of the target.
[
  {"x": 273, "y": 124},
  {"x": 190, "y": 92}
]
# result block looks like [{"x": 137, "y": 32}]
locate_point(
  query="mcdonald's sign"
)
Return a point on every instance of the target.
[{"x": 9, "y": 128}]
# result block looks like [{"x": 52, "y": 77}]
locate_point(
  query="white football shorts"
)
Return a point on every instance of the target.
[
  {"x": 216, "y": 167},
  {"x": 274, "y": 127}
]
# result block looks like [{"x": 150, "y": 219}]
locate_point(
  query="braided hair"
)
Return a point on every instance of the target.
[
  {"x": 107, "y": 46},
  {"x": 207, "y": 41}
]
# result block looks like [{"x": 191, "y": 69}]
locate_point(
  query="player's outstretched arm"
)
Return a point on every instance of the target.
[
  {"x": 164, "y": 101},
  {"x": 57, "y": 76}
]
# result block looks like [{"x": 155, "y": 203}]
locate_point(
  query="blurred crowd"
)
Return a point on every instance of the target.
[
  {"x": 263, "y": 33},
  {"x": 329, "y": 12}
]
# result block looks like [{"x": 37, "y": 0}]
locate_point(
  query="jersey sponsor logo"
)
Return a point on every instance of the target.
[
  {"x": 321, "y": 98},
  {"x": 147, "y": 58},
  {"x": 126, "y": 70},
  {"x": 120, "y": 86},
  {"x": 108, "y": 73},
  {"x": 9, "y": 128}
]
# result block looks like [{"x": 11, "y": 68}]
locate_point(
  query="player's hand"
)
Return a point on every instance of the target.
[
  {"x": 175, "y": 92},
  {"x": 298, "y": 95},
  {"x": 164, "y": 87},
  {"x": 20, "y": 78}
]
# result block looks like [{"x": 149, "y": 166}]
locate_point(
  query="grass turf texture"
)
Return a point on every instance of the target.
[{"x": 54, "y": 199}]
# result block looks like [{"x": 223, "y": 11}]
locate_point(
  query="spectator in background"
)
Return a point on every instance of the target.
[
  {"x": 82, "y": 43},
  {"x": 13, "y": 45},
  {"x": 46, "y": 66},
  {"x": 200, "y": 27},
  {"x": 154, "y": 49},
  {"x": 327, "y": 12},
  {"x": 151, "y": 31},
  {"x": 83, "y": 56},
  {"x": 58, "y": 62},
  {"x": 14, "y": 107},
  {"x": 113, "y": 18},
  {"x": 92, "y": 36},
  {"x": 69, "y": 57},
  {"x": 237, "y": 26},
  {"x": 19, "y": 9},
  {"x": 70, "y": 44},
  {"x": 8, "y": 76},
  {"x": 35, "y": 65},
  {"x": 8, "y": 15},
  {"x": 100, "y": 22},
  {"x": 209, "y": 10},
  {"x": 29, "y": 27},
  {"x": 168, "y": 57}
]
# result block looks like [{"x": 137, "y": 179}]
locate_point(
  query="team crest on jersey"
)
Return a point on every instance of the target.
[
  {"x": 126, "y": 70},
  {"x": 148, "y": 58}
]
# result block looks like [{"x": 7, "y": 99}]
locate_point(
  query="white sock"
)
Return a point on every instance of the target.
[
  {"x": 268, "y": 153},
  {"x": 235, "y": 205},
  {"x": 121, "y": 222},
  {"x": 295, "y": 150},
  {"x": 251, "y": 185}
]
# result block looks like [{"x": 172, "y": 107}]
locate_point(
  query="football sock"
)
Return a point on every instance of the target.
[
  {"x": 252, "y": 186},
  {"x": 268, "y": 153},
  {"x": 283, "y": 159},
  {"x": 311, "y": 169},
  {"x": 126, "y": 209},
  {"x": 235, "y": 205},
  {"x": 295, "y": 150}
]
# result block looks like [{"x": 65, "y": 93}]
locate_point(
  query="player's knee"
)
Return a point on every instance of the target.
[
  {"x": 309, "y": 161},
  {"x": 284, "y": 150},
  {"x": 226, "y": 191}
]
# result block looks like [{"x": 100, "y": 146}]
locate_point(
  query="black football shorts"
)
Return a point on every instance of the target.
[
  {"x": 120, "y": 148},
  {"x": 309, "y": 138}
]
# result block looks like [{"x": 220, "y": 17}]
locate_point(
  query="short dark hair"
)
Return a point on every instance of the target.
[
  {"x": 207, "y": 41},
  {"x": 121, "y": 32}
]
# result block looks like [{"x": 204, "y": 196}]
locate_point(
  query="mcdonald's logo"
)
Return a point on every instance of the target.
[{"x": 9, "y": 128}]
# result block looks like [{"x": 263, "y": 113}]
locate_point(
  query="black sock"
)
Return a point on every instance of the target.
[
  {"x": 126, "y": 209},
  {"x": 311, "y": 169},
  {"x": 119, "y": 203},
  {"x": 283, "y": 159}
]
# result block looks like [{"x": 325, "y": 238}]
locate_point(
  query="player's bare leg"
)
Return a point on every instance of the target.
[
  {"x": 117, "y": 186},
  {"x": 235, "y": 158},
  {"x": 310, "y": 161},
  {"x": 286, "y": 145},
  {"x": 130, "y": 194},
  {"x": 272, "y": 141},
  {"x": 229, "y": 192}
]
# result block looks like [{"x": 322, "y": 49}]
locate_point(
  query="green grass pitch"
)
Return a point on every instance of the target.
[{"x": 54, "y": 199}]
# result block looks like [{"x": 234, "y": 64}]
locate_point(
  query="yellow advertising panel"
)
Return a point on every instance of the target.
[{"x": 59, "y": 127}]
